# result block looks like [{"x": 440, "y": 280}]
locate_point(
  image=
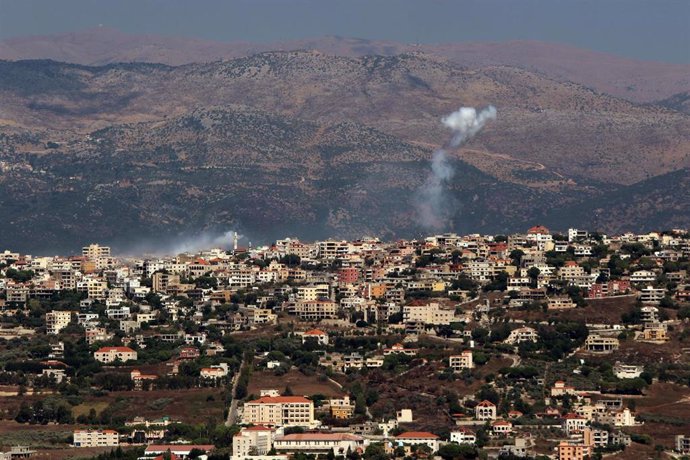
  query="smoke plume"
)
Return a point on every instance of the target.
[
  {"x": 185, "y": 243},
  {"x": 202, "y": 241},
  {"x": 434, "y": 207}
]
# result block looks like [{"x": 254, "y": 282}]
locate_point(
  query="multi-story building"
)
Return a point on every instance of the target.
[
  {"x": 113, "y": 354},
  {"x": 651, "y": 295},
  {"x": 253, "y": 440},
  {"x": 314, "y": 310},
  {"x": 627, "y": 371},
  {"x": 315, "y": 292},
  {"x": 643, "y": 276},
  {"x": 560, "y": 389},
  {"x": 430, "y": 313},
  {"x": 161, "y": 280},
  {"x": 463, "y": 437},
  {"x": 573, "y": 423},
  {"x": 317, "y": 335},
  {"x": 414, "y": 438},
  {"x": 94, "y": 251},
  {"x": 610, "y": 288},
  {"x": 598, "y": 344},
  {"x": 485, "y": 410},
  {"x": 280, "y": 411},
  {"x": 683, "y": 443},
  {"x": 318, "y": 443},
  {"x": 522, "y": 334},
  {"x": 95, "y": 289},
  {"x": 57, "y": 320},
  {"x": 341, "y": 408},
  {"x": 461, "y": 361},
  {"x": 571, "y": 451},
  {"x": 96, "y": 438}
]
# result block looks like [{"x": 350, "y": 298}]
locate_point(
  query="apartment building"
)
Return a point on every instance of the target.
[
  {"x": 95, "y": 289},
  {"x": 431, "y": 313},
  {"x": 57, "y": 320},
  {"x": 315, "y": 292},
  {"x": 571, "y": 451},
  {"x": 341, "y": 408},
  {"x": 651, "y": 295},
  {"x": 160, "y": 281},
  {"x": 94, "y": 251},
  {"x": 95, "y": 438},
  {"x": 314, "y": 310},
  {"x": 280, "y": 411}
]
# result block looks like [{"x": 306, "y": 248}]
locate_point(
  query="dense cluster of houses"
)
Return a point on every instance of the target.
[{"x": 411, "y": 287}]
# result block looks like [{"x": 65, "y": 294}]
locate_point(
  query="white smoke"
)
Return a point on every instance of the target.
[
  {"x": 466, "y": 122},
  {"x": 433, "y": 205},
  {"x": 203, "y": 241}
]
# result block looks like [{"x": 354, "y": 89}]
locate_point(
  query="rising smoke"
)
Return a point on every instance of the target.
[
  {"x": 204, "y": 240},
  {"x": 189, "y": 243},
  {"x": 434, "y": 207}
]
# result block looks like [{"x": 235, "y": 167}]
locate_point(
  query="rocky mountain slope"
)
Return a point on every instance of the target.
[
  {"x": 638, "y": 81},
  {"x": 318, "y": 145}
]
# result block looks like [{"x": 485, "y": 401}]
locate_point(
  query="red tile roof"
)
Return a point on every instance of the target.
[
  {"x": 258, "y": 428},
  {"x": 416, "y": 435},
  {"x": 280, "y": 399},
  {"x": 315, "y": 332},
  {"x": 320, "y": 437},
  {"x": 120, "y": 349},
  {"x": 486, "y": 403}
]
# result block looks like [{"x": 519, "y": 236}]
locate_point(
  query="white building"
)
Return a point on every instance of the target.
[
  {"x": 522, "y": 334},
  {"x": 112, "y": 354},
  {"x": 254, "y": 440},
  {"x": 318, "y": 443},
  {"x": 463, "y": 437},
  {"x": 485, "y": 410},
  {"x": 643, "y": 276},
  {"x": 214, "y": 372},
  {"x": 318, "y": 335},
  {"x": 573, "y": 423},
  {"x": 280, "y": 411},
  {"x": 627, "y": 371},
  {"x": 461, "y": 361},
  {"x": 413, "y": 438}
]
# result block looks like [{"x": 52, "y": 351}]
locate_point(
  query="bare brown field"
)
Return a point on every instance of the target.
[
  {"x": 71, "y": 453},
  {"x": 419, "y": 390},
  {"x": 189, "y": 405},
  {"x": 664, "y": 400},
  {"x": 606, "y": 311},
  {"x": 196, "y": 405},
  {"x": 299, "y": 383}
]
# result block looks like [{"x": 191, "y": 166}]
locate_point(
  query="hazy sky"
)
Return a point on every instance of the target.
[{"x": 645, "y": 29}]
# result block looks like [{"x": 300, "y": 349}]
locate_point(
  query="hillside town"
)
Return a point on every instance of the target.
[{"x": 543, "y": 345}]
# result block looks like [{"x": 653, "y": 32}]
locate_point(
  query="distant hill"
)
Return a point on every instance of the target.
[
  {"x": 679, "y": 102},
  {"x": 316, "y": 145},
  {"x": 639, "y": 81}
]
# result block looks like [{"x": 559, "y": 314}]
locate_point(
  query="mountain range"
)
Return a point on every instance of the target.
[{"x": 333, "y": 139}]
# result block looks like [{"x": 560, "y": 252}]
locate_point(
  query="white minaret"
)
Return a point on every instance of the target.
[{"x": 234, "y": 242}]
